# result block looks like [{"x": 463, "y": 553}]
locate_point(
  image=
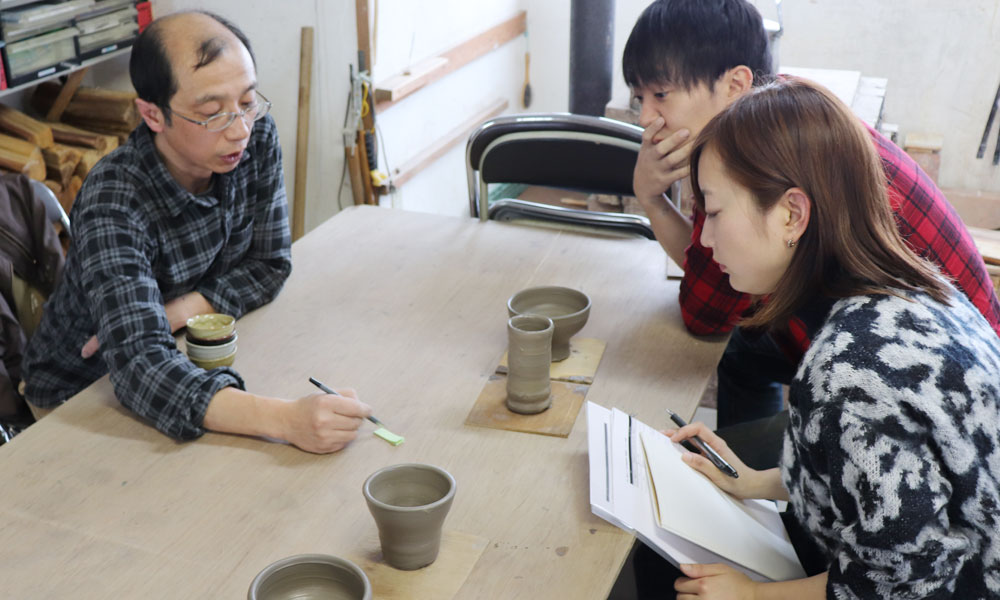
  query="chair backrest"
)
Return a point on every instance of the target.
[
  {"x": 562, "y": 150},
  {"x": 53, "y": 209},
  {"x": 31, "y": 263}
]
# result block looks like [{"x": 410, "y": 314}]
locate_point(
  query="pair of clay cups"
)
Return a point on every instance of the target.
[
  {"x": 409, "y": 503},
  {"x": 311, "y": 576},
  {"x": 568, "y": 309},
  {"x": 211, "y": 340}
]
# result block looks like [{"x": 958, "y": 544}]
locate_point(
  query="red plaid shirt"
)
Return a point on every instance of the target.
[{"x": 925, "y": 218}]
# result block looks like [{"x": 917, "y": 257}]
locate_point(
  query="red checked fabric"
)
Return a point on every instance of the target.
[{"x": 925, "y": 218}]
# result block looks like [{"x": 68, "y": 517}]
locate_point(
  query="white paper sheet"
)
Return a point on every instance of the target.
[{"x": 691, "y": 506}]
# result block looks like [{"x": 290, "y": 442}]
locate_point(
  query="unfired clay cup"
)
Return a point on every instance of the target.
[
  {"x": 568, "y": 309},
  {"x": 409, "y": 503},
  {"x": 529, "y": 358},
  {"x": 311, "y": 577}
]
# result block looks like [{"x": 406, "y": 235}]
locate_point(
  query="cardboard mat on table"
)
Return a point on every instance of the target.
[
  {"x": 439, "y": 580},
  {"x": 579, "y": 367},
  {"x": 491, "y": 409}
]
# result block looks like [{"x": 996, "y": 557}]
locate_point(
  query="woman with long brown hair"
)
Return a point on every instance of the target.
[{"x": 891, "y": 460}]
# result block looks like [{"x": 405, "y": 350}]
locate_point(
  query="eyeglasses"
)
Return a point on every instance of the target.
[{"x": 221, "y": 121}]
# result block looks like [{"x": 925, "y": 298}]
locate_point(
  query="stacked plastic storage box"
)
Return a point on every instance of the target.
[
  {"x": 42, "y": 38},
  {"x": 39, "y": 39},
  {"x": 112, "y": 25}
]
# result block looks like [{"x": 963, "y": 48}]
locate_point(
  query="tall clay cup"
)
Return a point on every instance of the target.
[
  {"x": 529, "y": 355},
  {"x": 409, "y": 503}
]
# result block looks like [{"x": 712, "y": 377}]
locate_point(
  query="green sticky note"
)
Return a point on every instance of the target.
[{"x": 389, "y": 436}]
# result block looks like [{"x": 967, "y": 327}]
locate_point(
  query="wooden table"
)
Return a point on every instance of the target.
[{"x": 409, "y": 309}]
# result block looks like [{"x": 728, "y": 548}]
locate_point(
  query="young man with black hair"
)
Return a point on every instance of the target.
[
  {"x": 686, "y": 61},
  {"x": 189, "y": 216}
]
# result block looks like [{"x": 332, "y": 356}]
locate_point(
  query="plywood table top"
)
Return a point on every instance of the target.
[{"x": 410, "y": 310}]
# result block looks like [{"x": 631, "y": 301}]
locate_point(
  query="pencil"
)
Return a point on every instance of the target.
[{"x": 322, "y": 386}]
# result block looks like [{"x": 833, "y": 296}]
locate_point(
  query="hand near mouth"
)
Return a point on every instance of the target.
[{"x": 663, "y": 160}]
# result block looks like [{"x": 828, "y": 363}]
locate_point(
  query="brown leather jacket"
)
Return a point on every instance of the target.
[{"x": 31, "y": 263}]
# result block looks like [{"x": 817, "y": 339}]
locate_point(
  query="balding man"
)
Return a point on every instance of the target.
[{"x": 189, "y": 216}]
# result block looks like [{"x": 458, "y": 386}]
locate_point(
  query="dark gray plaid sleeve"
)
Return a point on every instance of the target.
[{"x": 150, "y": 375}]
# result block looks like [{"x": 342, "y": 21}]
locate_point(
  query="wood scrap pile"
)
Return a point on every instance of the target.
[
  {"x": 95, "y": 109},
  {"x": 61, "y": 154}
]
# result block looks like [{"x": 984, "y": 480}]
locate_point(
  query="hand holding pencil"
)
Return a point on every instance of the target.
[
  {"x": 748, "y": 484},
  {"x": 323, "y": 423}
]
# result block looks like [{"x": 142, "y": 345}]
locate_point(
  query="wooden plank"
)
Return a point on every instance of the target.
[
  {"x": 978, "y": 208},
  {"x": 457, "y": 135},
  {"x": 409, "y": 81},
  {"x": 302, "y": 135},
  {"x": 20, "y": 156},
  {"x": 353, "y": 158},
  {"x": 988, "y": 243},
  {"x": 364, "y": 36},
  {"x": 464, "y": 53},
  {"x": 65, "y": 95},
  {"x": 368, "y": 118},
  {"x": 21, "y": 125}
]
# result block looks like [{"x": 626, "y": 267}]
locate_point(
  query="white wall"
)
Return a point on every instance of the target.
[
  {"x": 942, "y": 60},
  {"x": 416, "y": 122}
]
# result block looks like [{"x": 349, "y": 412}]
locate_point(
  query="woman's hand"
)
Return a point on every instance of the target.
[
  {"x": 713, "y": 582},
  {"x": 750, "y": 483}
]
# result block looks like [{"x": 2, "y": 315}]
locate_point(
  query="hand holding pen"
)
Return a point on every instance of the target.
[{"x": 704, "y": 448}]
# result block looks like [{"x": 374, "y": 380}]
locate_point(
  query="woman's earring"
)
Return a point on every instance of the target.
[{"x": 791, "y": 243}]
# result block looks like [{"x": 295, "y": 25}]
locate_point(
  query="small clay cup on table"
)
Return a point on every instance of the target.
[
  {"x": 409, "y": 503},
  {"x": 529, "y": 357},
  {"x": 568, "y": 309},
  {"x": 211, "y": 326},
  {"x": 311, "y": 577},
  {"x": 211, "y": 340}
]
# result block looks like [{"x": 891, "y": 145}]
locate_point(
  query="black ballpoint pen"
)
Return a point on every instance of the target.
[{"x": 707, "y": 450}]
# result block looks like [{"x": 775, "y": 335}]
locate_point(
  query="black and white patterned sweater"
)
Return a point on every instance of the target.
[{"x": 892, "y": 456}]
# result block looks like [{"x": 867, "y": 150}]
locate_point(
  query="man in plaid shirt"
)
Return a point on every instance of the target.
[
  {"x": 188, "y": 217},
  {"x": 686, "y": 61}
]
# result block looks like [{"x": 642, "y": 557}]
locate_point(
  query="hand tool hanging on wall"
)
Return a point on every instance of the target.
[
  {"x": 526, "y": 93},
  {"x": 989, "y": 125}
]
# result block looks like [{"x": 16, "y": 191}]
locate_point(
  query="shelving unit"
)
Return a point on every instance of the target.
[
  {"x": 66, "y": 70},
  {"x": 83, "y": 32}
]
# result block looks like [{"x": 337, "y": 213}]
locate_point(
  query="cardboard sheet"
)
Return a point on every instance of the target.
[
  {"x": 579, "y": 367},
  {"x": 490, "y": 409},
  {"x": 440, "y": 580}
]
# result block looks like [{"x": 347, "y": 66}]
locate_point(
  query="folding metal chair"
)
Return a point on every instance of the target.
[{"x": 561, "y": 150}]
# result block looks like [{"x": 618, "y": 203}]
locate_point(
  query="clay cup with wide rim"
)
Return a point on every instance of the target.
[
  {"x": 569, "y": 310},
  {"x": 409, "y": 503},
  {"x": 311, "y": 576}
]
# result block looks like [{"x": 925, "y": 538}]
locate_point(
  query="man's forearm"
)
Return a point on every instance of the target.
[
  {"x": 671, "y": 228},
  {"x": 235, "y": 411}
]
